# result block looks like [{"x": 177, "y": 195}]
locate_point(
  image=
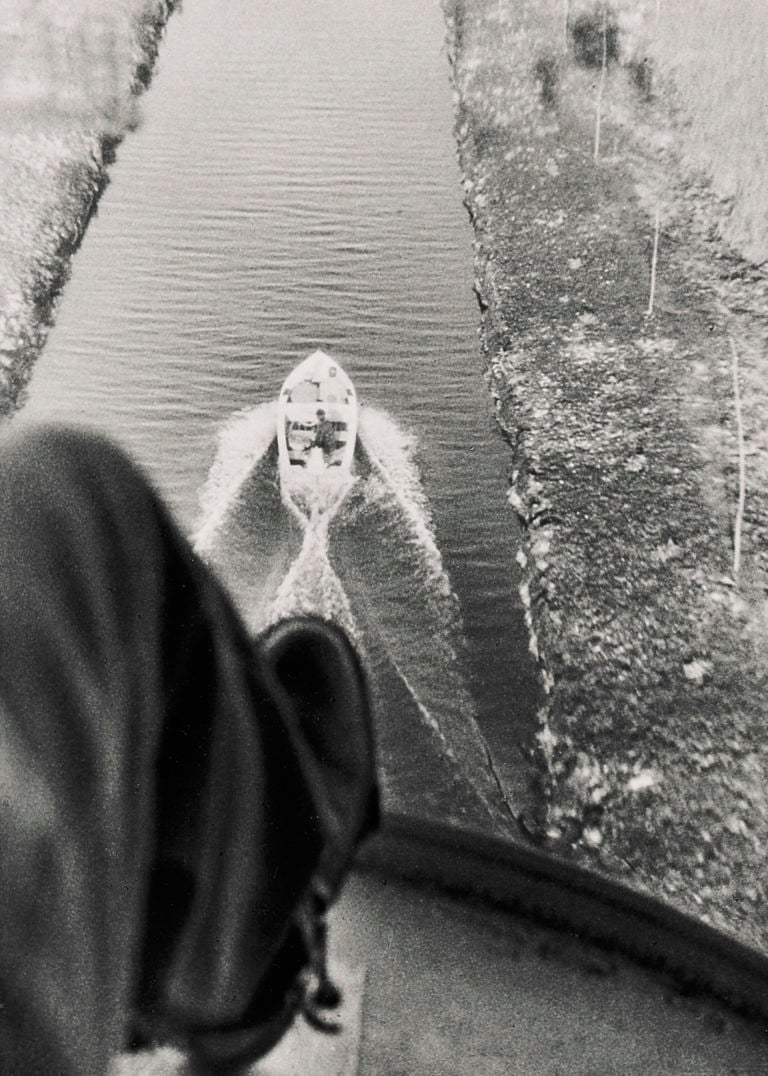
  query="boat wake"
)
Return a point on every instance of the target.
[
  {"x": 242, "y": 444},
  {"x": 365, "y": 557},
  {"x": 270, "y": 548},
  {"x": 311, "y": 586}
]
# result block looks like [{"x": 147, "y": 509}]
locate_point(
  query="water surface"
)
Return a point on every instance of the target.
[{"x": 293, "y": 185}]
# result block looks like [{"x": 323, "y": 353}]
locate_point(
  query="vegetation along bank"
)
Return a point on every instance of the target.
[
  {"x": 623, "y": 325},
  {"x": 70, "y": 79}
]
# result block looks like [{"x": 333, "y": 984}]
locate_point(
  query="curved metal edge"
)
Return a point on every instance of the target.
[{"x": 609, "y": 914}]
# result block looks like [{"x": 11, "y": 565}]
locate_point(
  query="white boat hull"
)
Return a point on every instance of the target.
[{"x": 317, "y": 383}]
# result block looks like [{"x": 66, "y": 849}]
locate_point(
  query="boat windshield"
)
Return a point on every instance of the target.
[{"x": 305, "y": 392}]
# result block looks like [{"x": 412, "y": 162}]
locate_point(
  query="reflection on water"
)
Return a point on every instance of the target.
[{"x": 294, "y": 185}]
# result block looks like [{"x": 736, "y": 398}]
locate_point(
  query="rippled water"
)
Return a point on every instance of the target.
[{"x": 294, "y": 185}]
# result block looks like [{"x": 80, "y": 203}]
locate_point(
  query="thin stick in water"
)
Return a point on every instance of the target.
[
  {"x": 654, "y": 260},
  {"x": 739, "y": 521}
]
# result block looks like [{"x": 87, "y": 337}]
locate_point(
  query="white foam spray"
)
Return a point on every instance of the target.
[
  {"x": 391, "y": 451},
  {"x": 416, "y": 617},
  {"x": 311, "y": 586},
  {"x": 242, "y": 443},
  {"x": 428, "y": 666}
]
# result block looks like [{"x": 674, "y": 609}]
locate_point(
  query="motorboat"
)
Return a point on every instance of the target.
[{"x": 316, "y": 424}]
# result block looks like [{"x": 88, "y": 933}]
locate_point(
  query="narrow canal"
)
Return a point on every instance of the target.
[{"x": 294, "y": 184}]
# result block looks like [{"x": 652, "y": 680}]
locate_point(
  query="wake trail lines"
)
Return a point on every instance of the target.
[{"x": 362, "y": 554}]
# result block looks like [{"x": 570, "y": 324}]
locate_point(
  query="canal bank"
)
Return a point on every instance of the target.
[
  {"x": 615, "y": 319},
  {"x": 68, "y": 93}
]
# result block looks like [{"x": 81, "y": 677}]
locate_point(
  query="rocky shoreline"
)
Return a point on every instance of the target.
[
  {"x": 614, "y": 317},
  {"x": 69, "y": 90}
]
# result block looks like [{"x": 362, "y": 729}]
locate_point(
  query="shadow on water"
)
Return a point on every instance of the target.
[{"x": 369, "y": 561}]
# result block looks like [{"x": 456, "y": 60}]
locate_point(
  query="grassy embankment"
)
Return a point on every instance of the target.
[
  {"x": 70, "y": 79},
  {"x": 616, "y": 311}
]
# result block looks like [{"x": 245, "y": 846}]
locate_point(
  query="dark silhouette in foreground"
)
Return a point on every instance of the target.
[{"x": 180, "y": 804}]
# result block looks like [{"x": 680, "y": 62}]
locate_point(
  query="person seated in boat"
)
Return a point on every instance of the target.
[
  {"x": 181, "y": 801},
  {"x": 325, "y": 435}
]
